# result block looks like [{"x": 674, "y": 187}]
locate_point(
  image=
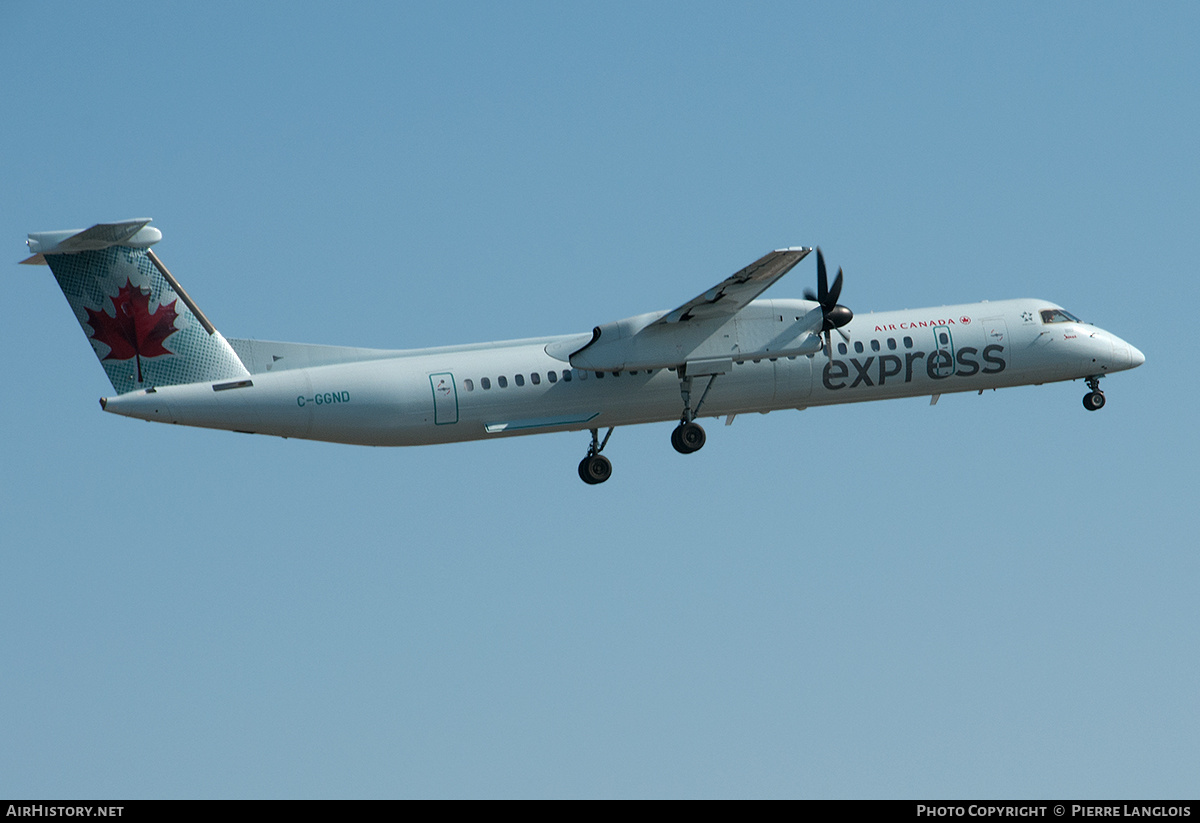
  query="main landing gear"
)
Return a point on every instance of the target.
[
  {"x": 1093, "y": 400},
  {"x": 595, "y": 468},
  {"x": 689, "y": 436}
]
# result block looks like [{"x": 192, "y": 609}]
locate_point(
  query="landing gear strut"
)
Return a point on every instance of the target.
[
  {"x": 1093, "y": 400},
  {"x": 595, "y": 468},
  {"x": 689, "y": 435}
]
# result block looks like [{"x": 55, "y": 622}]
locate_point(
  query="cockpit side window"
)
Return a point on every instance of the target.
[{"x": 1058, "y": 316}]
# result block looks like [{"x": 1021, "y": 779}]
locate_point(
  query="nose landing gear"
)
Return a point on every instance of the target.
[{"x": 1093, "y": 400}]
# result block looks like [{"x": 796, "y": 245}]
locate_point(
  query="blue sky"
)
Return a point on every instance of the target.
[{"x": 993, "y": 597}]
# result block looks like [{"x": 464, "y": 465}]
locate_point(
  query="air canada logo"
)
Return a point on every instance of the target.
[
  {"x": 908, "y": 325},
  {"x": 133, "y": 330},
  {"x": 938, "y": 365}
]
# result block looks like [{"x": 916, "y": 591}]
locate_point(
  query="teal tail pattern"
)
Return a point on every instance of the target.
[{"x": 144, "y": 329}]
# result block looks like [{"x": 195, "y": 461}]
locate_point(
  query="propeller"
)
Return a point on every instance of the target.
[{"x": 835, "y": 315}]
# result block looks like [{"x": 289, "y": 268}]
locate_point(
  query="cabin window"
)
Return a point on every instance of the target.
[
  {"x": 535, "y": 378},
  {"x": 469, "y": 384},
  {"x": 566, "y": 375},
  {"x": 943, "y": 338},
  {"x": 502, "y": 382},
  {"x": 908, "y": 344},
  {"x": 842, "y": 348},
  {"x": 599, "y": 375},
  {"x": 519, "y": 379},
  {"x": 487, "y": 384},
  {"x": 858, "y": 346},
  {"x": 552, "y": 376},
  {"x": 891, "y": 344},
  {"x": 874, "y": 345}
]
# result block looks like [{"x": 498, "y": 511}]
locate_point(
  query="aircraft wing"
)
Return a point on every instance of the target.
[
  {"x": 696, "y": 333},
  {"x": 731, "y": 295}
]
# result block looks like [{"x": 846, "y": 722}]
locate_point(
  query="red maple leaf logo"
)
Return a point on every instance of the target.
[{"x": 135, "y": 331}]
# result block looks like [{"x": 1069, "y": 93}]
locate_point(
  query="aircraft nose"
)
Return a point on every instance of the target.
[
  {"x": 1136, "y": 358},
  {"x": 1125, "y": 356}
]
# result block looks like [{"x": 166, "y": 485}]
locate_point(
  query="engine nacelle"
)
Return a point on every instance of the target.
[{"x": 759, "y": 331}]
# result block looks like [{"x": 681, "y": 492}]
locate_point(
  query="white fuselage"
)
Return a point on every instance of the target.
[{"x": 481, "y": 391}]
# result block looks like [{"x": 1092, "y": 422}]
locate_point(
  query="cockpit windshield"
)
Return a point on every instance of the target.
[{"x": 1058, "y": 316}]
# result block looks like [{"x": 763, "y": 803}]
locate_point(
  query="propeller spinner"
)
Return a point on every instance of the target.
[{"x": 835, "y": 315}]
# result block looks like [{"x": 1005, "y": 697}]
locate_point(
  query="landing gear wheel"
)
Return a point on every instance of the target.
[
  {"x": 688, "y": 438},
  {"x": 1093, "y": 401},
  {"x": 594, "y": 469}
]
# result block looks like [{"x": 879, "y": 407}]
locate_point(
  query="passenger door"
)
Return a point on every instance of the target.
[{"x": 445, "y": 398}]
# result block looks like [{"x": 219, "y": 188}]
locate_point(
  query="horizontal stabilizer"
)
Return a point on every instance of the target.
[
  {"x": 261, "y": 356},
  {"x": 136, "y": 233}
]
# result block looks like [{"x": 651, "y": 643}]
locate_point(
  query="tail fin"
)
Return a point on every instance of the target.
[{"x": 144, "y": 328}]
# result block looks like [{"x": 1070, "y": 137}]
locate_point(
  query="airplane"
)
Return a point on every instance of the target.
[{"x": 723, "y": 353}]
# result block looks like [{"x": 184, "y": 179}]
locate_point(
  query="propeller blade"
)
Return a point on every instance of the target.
[
  {"x": 833, "y": 315},
  {"x": 836, "y": 291},
  {"x": 822, "y": 280}
]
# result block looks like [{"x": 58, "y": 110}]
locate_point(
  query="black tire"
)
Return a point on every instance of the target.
[
  {"x": 688, "y": 438},
  {"x": 1093, "y": 401},
  {"x": 693, "y": 437},
  {"x": 595, "y": 469}
]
